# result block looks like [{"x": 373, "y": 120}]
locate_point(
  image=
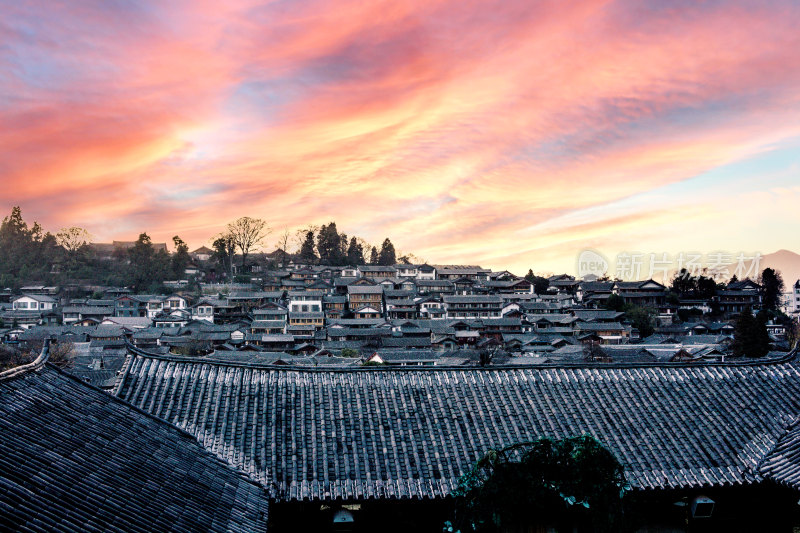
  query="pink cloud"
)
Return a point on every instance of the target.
[{"x": 449, "y": 126}]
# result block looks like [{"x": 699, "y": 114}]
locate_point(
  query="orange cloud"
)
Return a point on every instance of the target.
[{"x": 452, "y": 127}]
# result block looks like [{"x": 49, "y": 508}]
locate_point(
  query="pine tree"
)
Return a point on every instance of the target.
[
  {"x": 387, "y": 256},
  {"x": 329, "y": 245},
  {"x": 307, "y": 254},
  {"x": 373, "y": 256},
  {"x": 772, "y": 283},
  {"x": 355, "y": 253}
]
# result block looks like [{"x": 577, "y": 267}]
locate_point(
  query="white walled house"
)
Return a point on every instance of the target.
[
  {"x": 792, "y": 300},
  {"x": 306, "y": 305},
  {"x": 203, "y": 310},
  {"x": 426, "y": 271},
  {"x": 34, "y": 302},
  {"x": 406, "y": 271},
  {"x": 154, "y": 307},
  {"x": 175, "y": 302}
]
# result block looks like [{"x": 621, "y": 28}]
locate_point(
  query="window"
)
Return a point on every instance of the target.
[{"x": 22, "y": 305}]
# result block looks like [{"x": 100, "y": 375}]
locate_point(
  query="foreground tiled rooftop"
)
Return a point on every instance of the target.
[
  {"x": 73, "y": 458},
  {"x": 366, "y": 433}
]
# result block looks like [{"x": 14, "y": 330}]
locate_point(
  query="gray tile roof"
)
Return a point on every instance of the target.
[
  {"x": 783, "y": 463},
  {"x": 74, "y": 458},
  {"x": 365, "y": 289},
  {"x": 364, "y": 434}
]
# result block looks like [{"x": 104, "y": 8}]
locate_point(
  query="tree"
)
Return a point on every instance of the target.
[
  {"x": 73, "y": 238},
  {"x": 772, "y": 283},
  {"x": 283, "y": 245},
  {"x": 341, "y": 255},
  {"x": 181, "y": 258},
  {"x": 224, "y": 249},
  {"x": 792, "y": 332},
  {"x": 27, "y": 253},
  {"x": 332, "y": 246},
  {"x": 750, "y": 337},
  {"x": 615, "y": 302},
  {"x": 11, "y": 356},
  {"x": 706, "y": 287},
  {"x": 147, "y": 268},
  {"x": 307, "y": 254},
  {"x": 373, "y": 256},
  {"x": 545, "y": 479},
  {"x": 355, "y": 253},
  {"x": 349, "y": 352},
  {"x": 247, "y": 233},
  {"x": 540, "y": 283},
  {"x": 641, "y": 318},
  {"x": 683, "y": 283},
  {"x": 686, "y": 285},
  {"x": 387, "y": 255},
  {"x": 673, "y": 298}
]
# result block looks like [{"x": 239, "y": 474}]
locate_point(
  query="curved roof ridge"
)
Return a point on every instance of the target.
[
  {"x": 765, "y": 361},
  {"x": 38, "y": 363}
]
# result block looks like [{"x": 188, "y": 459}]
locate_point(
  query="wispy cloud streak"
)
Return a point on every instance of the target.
[{"x": 506, "y": 133}]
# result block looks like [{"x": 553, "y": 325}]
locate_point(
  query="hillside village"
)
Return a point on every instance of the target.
[
  {"x": 272, "y": 393},
  {"x": 400, "y": 314}
]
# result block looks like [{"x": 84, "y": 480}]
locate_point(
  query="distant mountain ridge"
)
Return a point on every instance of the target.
[{"x": 784, "y": 261}]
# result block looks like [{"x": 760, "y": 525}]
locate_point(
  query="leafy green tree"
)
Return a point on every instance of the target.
[
  {"x": 140, "y": 257},
  {"x": 307, "y": 254},
  {"x": 147, "y": 268},
  {"x": 772, "y": 284},
  {"x": 373, "y": 256},
  {"x": 641, "y": 318},
  {"x": 27, "y": 253},
  {"x": 387, "y": 256}
]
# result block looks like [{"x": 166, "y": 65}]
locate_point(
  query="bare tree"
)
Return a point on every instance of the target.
[
  {"x": 300, "y": 235},
  {"x": 793, "y": 332},
  {"x": 60, "y": 354},
  {"x": 73, "y": 238},
  {"x": 283, "y": 244},
  {"x": 247, "y": 233}
]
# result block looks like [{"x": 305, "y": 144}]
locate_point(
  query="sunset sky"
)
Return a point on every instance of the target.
[{"x": 511, "y": 134}]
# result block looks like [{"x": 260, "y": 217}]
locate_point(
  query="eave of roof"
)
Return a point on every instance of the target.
[{"x": 428, "y": 425}]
